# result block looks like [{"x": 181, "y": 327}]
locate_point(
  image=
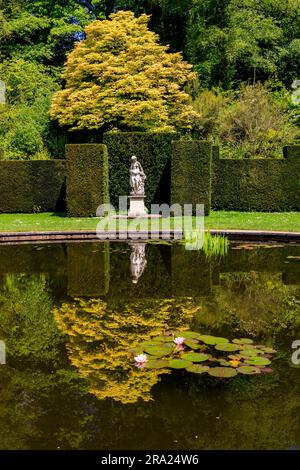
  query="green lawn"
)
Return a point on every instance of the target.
[{"x": 288, "y": 221}]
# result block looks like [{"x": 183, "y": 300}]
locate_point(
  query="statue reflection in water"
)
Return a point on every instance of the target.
[{"x": 138, "y": 260}]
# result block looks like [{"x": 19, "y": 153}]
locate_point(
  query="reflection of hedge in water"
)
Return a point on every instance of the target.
[
  {"x": 100, "y": 338},
  {"x": 88, "y": 269},
  {"x": 155, "y": 280}
]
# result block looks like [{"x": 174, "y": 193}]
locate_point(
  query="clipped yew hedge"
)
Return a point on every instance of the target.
[
  {"x": 257, "y": 184},
  {"x": 153, "y": 150},
  {"x": 87, "y": 178},
  {"x": 32, "y": 186},
  {"x": 191, "y": 173}
]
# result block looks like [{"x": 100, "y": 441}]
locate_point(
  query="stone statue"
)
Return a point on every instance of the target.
[
  {"x": 137, "y": 178},
  {"x": 138, "y": 261}
]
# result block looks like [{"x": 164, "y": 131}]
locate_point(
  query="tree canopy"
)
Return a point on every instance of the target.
[
  {"x": 119, "y": 77},
  {"x": 43, "y": 30}
]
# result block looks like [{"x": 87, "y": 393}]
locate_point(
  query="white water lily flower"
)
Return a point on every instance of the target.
[
  {"x": 140, "y": 359},
  {"x": 179, "y": 340}
]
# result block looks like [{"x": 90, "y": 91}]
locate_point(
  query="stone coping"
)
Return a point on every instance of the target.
[{"x": 90, "y": 235}]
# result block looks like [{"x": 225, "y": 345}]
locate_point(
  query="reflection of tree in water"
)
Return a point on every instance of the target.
[
  {"x": 34, "y": 352},
  {"x": 26, "y": 321},
  {"x": 247, "y": 302},
  {"x": 101, "y": 335}
]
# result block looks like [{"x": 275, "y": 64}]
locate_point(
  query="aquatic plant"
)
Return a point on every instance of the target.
[
  {"x": 215, "y": 245},
  {"x": 179, "y": 340},
  {"x": 141, "y": 359},
  {"x": 205, "y": 354},
  {"x": 212, "y": 245}
]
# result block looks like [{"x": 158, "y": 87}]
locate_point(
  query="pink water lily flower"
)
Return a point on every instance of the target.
[
  {"x": 141, "y": 359},
  {"x": 179, "y": 340}
]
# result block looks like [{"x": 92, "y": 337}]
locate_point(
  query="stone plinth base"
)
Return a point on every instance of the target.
[{"x": 137, "y": 207}]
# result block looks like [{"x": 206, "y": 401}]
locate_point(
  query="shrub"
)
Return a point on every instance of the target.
[
  {"x": 209, "y": 104},
  {"x": 256, "y": 124},
  {"x": 24, "y": 120}
]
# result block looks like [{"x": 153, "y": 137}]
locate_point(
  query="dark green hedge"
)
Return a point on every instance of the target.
[
  {"x": 153, "y": 150},
  {"x": 191, "y": 173},
  {"x": 257, "y": 185},
  {"x": 32, "y": 186},
  {"x": 291, "y": 151},
  {"x": 87, "y": 178}
]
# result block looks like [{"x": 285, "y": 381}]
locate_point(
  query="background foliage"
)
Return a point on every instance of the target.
[{"x": 231, "y": 44}]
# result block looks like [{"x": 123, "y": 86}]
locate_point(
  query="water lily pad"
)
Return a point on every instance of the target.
[
  {"x": 192, "y": 344},
  {"x": 179, "y": 364},
  {"x": 136, "y": 351},
  {"x": 242, "y": 341},
  {"x": 159, "y": 350},
  {"x": 226, "y": 347},
  {"x": 224, "y": 363},
  {"x": 195, "y": 357},
  {"x": 266, "y": 370},
  {"x": 248, "y": 353},
  {"x": 246, "y": 346},
  {"x": 269, "y": 350},
  {"x": 145, "y": 344},
  {"x": 163, "y": 339},
  {"x": 222, "y": 372},
  {"x": 197, "y": 369},
  {"x": 207, "y": 339},
  {"x": 157, "y": 364},
  {"x": 248, "y": 370},
  {"x": 258, "y": 361},
  {"x": 188, "y": 334}
]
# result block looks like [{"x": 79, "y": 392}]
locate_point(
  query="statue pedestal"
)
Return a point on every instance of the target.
[{"x": 137, "y": 207}]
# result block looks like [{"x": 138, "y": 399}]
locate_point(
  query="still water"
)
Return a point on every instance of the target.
[{"x": 70, "y": 312}]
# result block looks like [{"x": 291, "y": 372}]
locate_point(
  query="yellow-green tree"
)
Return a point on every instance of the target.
[{"x": 120, "y": 77}]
